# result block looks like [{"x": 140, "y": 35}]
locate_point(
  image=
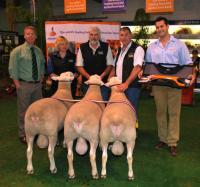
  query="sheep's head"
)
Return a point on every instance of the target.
[
  {"x": 113, "y": 81},
  {"x": 94, "y": 79},
  {"x": 66, "y": 76}
]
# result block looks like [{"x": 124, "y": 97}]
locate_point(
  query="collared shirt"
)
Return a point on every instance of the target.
[
  {"x": 138, "y": 59},
  {"x": 109, "y": 57},
  {"x": 20, "y": 63},
  {"x": 94, "y": 49},
  {"x": 175, "y": 52}
]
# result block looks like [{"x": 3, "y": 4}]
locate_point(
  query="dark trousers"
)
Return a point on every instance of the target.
[{"x": 133, "y": 94}]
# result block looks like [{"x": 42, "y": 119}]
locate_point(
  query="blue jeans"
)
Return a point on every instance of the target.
[
  {"x": 105, "y": 91},
  {"x": 133, "y": 95}
]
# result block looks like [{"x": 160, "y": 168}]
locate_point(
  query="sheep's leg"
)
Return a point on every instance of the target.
[
  {"x": 104, "y": 160},
  {"x": 70, "y": 158},
  {"x": 130, "y": 161},
  {"x": 29, "y": 154},
  {"x": 64, "y": 144},
  {"x": 93, "y": 147},
  {"x": 52, "y": 144}
]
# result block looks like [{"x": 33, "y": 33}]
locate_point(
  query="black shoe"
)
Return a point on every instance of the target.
[
  {"x": 23, "y": 139},
  {"x": 160, "y": 145},
  {"x": 173, "y": 150}
]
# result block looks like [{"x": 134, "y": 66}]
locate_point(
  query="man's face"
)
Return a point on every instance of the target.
[
  {"x": 29, "y": 36},
  {"x": 125, "y": 37},
  {"x": 161, "y": 28},
  {"x": 94, "y": 36}
]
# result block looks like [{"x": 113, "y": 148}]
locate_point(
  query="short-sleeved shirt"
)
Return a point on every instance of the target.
[
  {"x": 138, "y": 59},
  {"x": 175, "y": 52},
  {"x": 109, "y": 57}
]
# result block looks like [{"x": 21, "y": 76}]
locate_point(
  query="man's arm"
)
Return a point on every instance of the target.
[
  {"x": 106, "y": 71},
  {"x": 16, "y": 83},
  {"x": 112, "y": 73},
  {"x": 138, "y": 62},
  {"x": 83, "y": 72},
  {"x": 109, "y": 62},
  {"x": 186, "y": 59},
  {"x": 79, "y": 65},
  {"x": 131, "y": 78},
  {"x": 13, "y": 68}
]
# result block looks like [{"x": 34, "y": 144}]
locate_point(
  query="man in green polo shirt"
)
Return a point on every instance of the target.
[{"x": 26, "y": 68}]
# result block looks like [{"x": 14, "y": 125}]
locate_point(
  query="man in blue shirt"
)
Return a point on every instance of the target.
[{"x": 167, "y": 49}]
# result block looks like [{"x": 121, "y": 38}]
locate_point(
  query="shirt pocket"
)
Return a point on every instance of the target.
[
  {"x": 172, "y": 51},
  {"x": 157, "y": 55},
  {"x": 25, "y": 56}
]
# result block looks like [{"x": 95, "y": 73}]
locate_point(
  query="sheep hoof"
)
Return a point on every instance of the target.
[
  {"x": 54, "y": 171},
  {"x": 131, "y": 178},
  {"x": 103, "y": 176},
  {"x": 30, "y": 172},
  {"x": 71, "y": 177},
  {"x": 95, "y": 176}
]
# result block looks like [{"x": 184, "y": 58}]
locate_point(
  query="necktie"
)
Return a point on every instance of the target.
[{"x": 34, "y": 65}]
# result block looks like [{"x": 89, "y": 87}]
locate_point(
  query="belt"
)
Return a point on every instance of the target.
[{"x": 32, "y": 82}]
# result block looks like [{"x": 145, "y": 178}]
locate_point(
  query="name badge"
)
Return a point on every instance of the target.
[
  {"x": 130, "y": 55},
  {"x": 100, "y": 52}
]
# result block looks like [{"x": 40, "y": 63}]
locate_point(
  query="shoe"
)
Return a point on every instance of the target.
[
  {"x": 173, "y": 150},
  {"x": 23, "y": 139},
  {"x": 160, "y": 145}
]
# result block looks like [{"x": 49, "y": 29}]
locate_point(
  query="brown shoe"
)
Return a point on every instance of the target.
[
  {"x": 23, "y": 139},
  {"x": 160, "y": 145},
  {"x": 173, "y": 150}
]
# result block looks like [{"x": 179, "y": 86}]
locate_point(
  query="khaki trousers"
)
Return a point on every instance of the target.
[
  {"x": 168, "y": 107},
  {"x": 26, "y": 94}
]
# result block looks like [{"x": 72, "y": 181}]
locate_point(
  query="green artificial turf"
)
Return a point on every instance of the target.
[{"x": 152, "y": 168}]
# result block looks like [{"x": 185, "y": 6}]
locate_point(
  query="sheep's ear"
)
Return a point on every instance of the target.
[
  {"x": 86, "y": 82},
  {"x": 102, "y": 83},
  {"x": 55, "y": 78},
  {"x": 71, "y": 78},
  {"x": 107, "y": 84}
]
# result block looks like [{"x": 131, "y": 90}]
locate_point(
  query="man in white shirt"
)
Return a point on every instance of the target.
[
  {"x": 128, "y": 64},
  {"x": 95, "y": 57}
]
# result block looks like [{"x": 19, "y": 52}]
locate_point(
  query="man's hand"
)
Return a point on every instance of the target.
[
  {"x": 53, "y": 75},
  {"x": 140, "y": 74},
  {"x": 122, "y": 87},
  {"x": 192, "y": 79},
  {"x": 102, "y": 75},
  {"x": 17, "y": 84}
]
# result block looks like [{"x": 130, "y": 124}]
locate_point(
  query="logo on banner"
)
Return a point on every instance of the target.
[
  {"x": 114, "y": 5},
  {"x": 52, "y": 33},
  {"x": 157, "y": 6}
]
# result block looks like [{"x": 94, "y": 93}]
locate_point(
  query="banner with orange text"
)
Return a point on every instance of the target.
[
  {"x": 77, "y": 32},
  {"x": 74, "y": 6},
  {"x": 158, "y": 6}
]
